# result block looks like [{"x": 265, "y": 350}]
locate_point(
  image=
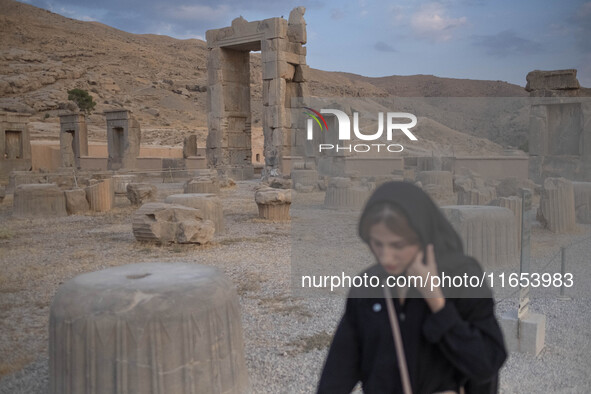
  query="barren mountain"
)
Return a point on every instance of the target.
[{"x": 161, "y": 79}]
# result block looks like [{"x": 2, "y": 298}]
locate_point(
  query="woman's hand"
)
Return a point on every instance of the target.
[{"x": 432, "y": 294}]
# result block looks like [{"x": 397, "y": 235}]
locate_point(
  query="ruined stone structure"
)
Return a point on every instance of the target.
[
  {"x": 557, "y": 205},
  {"x": 73, "y": 139},
  {"x": 439, "y": 186},
  {"x": 100, "y": 195},
  {"x": 210, "y": 206},
  {"x": 514, "y": 204},
  {"x": 273, "y": 203},
  {"x": 202, "y": 184},
  {"x": 190, "y": 146},
  {"x": 15, "y": 144},
  {"x": 164, "y": 222},
  {"x": 488, "y": 233},
  {"x": 41, "y": 200},
  {"x": 559, "y": 128},
  {"x": 139, "y": 193},
  {"x": 344, "y": 193},
  {"x": 284, "y": 72},
  {"x": 123, "y": 139},
  {"x": 147, "y": 328},
  {"x": 583, "y": 201}
]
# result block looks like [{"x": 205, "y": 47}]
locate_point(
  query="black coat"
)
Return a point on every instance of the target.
[{"x": 460, "y": 345}]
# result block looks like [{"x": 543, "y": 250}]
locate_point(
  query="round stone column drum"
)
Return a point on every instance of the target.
[
  {"x": 147, "y": 328},
  {"x": 489, "y": 233}
]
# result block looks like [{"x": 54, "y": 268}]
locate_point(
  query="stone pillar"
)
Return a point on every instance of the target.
[
  {"x": 488, "y": 233},
  {"x": 343, "y": 193},
  {"x": 100, "y": 195},
  {"x": 147, "y": 328},
  {"x": 73, "y": 139},
  {"x": 123, "y": 139},
  {"x": 557, "y": 205},
  {"x": 513, "y": 203}
]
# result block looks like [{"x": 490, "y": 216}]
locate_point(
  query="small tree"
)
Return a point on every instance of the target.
[{"x": 82, "y": 99}]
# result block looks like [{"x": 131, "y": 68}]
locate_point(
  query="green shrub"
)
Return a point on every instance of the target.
[{"x": 82, "y": 99}]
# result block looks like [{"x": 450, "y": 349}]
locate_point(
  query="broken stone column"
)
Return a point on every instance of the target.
[
  {"x": 100, "y": 195},
  {"x": 514, "y": 204},
  {"x": 210, "y": 206},
  {"x": 139, "y": 193},
  {"x": 39, "y": 200},
  {"x": 202, "y": 184},
  {"x": 489, "y": 234},
  {"x": 342, "y": 193},
  {"x": 147, "y": 328},
  {"x": 76, "y": 201},
  {"x": 123, "y": 139},
  {"x": 73, "y": 139},
  {"x": 163, "y": 222},
  {"x": 121, "y": 181},
  {"x": 273, "y": 203},
  {"x": 582, "y": 192},
  {"x": 557, "y": 205}
]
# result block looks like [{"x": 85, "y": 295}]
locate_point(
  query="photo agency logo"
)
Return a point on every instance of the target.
[{"x": 393, "y": 125}]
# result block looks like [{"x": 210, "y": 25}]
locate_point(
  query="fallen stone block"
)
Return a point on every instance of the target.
[
  {"x": 39, "y": 200},
  {"x": 209, "y": 204},
  {"x": 76, "y": 201},
  {"x": 140, "y": 193},
  {"x": 163, "y": 222}
]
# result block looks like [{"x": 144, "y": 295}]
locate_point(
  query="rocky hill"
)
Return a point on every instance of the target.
[{"x": 161, "y": 79}]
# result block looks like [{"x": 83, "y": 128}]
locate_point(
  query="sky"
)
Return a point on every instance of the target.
[{"x": 475, "y": 39}]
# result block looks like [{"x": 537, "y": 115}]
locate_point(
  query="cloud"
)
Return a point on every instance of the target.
[
  {"x": 383, "y": 47},
  {"x": 507, "y": 43},
  {"x": 432, "y": 22}
]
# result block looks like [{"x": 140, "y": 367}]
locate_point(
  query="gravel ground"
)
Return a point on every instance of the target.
[{"x": 286, "y": 337}]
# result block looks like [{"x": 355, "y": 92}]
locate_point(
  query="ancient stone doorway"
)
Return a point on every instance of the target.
[
  {"x": 13, "y": 145},
  {"x": 229, "y": 146},
  {"x": 118, "y": 142}
]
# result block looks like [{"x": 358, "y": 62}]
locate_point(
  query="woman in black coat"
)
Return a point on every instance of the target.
[{"x": 452, "y": 340}]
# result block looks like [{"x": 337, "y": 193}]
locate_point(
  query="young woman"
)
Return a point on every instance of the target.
[{"x": 451, "y": 338}]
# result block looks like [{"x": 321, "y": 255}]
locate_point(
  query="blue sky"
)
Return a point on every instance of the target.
[{"x": 476, "y": 39}]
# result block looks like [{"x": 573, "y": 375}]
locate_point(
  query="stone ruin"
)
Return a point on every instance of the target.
[
  {"x": 559, "y": 128},
  {"x": 166, "y": 222},
  {"x": 273, "y": 203},
  {"x": 73, "y": 139},
  {"x": 182, "y": 335},
  {"x": 15, "y": 145},
  {"x": 123, "y": 139},
  {"x": 284, "y": 72}
]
